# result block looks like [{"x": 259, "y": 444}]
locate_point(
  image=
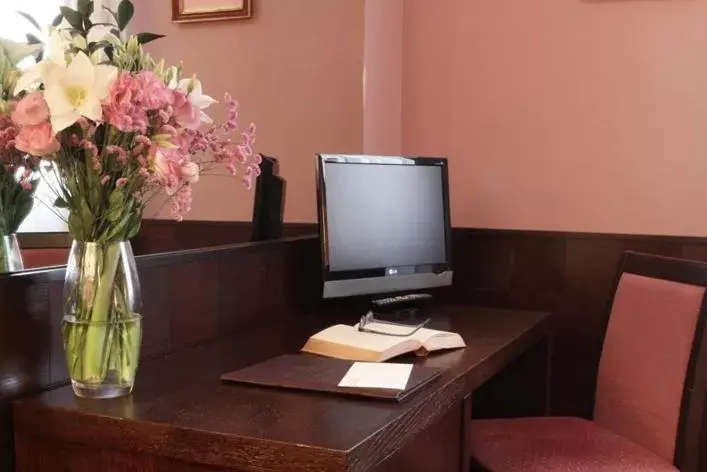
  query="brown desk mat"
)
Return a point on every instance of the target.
[{"x": 321, "y": 374}]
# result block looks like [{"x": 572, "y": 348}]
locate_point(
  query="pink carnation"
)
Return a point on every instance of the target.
[
  {"x": 156, "y": 94},
  {"x": 37, "y": 140},
  {"x": 131, "y": 97},
  {"x": 31, "y": 110},
  {"x": 122, "y": 108}
]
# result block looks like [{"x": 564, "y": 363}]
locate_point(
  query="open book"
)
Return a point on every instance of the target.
[{"x": 347, "y": 342}]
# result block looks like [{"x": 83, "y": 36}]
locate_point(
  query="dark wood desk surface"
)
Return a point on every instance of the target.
[{"x": 181, "y": 417}]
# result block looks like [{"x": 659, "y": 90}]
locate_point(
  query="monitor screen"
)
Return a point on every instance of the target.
[{"x": 383, "y": 218}]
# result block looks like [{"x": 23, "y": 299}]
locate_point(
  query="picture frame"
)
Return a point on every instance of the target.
[{"x": 190, "y": 11}]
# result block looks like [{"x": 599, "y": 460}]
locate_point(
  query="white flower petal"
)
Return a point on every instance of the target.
[
  {"x": 91, "y": 109},
  {"x": 57, "y": 48},
  {"x": 203, "y": 102},
  {"x": 32, "y": 76},
  {"x": 104, "y": 78},
  {"x": 174, "y": 77},
  {"x": 57, "y": 100},
  {"x": 206, "y": 118},
  {"x": 196, "y": 89},
  {"x": 16, "y": 52},
  {"x": 184, "y": 85},
  {"x": 80, "y": 72},
  {"x": 61, "y": 122}
]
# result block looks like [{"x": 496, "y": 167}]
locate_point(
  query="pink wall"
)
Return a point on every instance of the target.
[
  {"x": 563, "y": 114},
  {"x": 296, "y": 69},
  {"x": 383, "y": 77}
]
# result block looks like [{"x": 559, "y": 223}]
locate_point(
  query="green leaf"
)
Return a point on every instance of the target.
[
  {"x": 87, "y": 24},
  {"x": 112, "y": 13},
  {"x": 29, "y": 18},
  {"x": 22, "y": 211},
  {"x": 73, "y": 17},
  {"x": 117, "y": 231},
  {"x": 83, "y": 7},
  {"x": 60, "y": 203},
  {"x": 86, "y": 217},
  {"x": 126, "y": 10},
  {"x": 144, "y": 38},
  {"x": 134, "y": 229},
  {"x": 75, "y": 228},
  {"x": 117, "y": 198},
  {"x": 57, "y": 20},
  {"x": 32, "y": 39}
]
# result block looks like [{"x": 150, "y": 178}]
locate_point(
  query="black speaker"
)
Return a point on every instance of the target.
[{"x": 269, "y": 205}]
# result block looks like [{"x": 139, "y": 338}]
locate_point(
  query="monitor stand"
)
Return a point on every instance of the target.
[{"x": 409, "y": 310}]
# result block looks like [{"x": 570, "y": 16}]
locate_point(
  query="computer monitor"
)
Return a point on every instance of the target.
[{"x": 384, "y": 224}]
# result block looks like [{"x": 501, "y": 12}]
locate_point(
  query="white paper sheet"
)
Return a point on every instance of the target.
[{"x": 377, "y": 375}]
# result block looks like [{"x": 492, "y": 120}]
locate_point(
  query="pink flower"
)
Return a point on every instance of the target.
[
  {"x": 37, "y": 140},
  {"x": 181, "y": 202},
  {"x": 185, "y": 112},
  {"x": 31, "y": 110},
  {"x": 121, "y": 182},
  {"x": 105, "y": 179},
  {"x": 189, "y": 172},
  {"x": 167, "y": 170},
  {"x": 156, "y": 95},
  {"x": 124, "y": 107}
]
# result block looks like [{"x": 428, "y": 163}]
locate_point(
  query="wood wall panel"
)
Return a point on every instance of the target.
[
  {"x": 569, "y": 274},
  {"x": 189, "y": 297}
]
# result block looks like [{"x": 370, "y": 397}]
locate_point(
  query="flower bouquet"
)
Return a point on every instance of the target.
[
  {"x": 18, "y": 178},
  {"x": 118, "y": 129}
]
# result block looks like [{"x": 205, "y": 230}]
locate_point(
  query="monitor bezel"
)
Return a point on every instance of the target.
[{"x": 380, "y": 272}]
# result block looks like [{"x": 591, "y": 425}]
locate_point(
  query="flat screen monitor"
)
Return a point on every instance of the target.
[{"x": 384, "y": 224}]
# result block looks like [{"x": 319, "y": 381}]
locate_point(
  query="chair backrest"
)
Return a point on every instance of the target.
[{"x": 652, "y": 383}]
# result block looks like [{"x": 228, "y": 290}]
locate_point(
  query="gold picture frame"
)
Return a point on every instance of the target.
[{"x": 190, "y": 11}]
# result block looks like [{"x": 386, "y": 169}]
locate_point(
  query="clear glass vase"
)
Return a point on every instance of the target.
[
  {"x": 10, "y": 254},
  {"x": 102, "y": 325}
]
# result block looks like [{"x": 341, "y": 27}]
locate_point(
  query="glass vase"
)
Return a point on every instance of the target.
[
  {"x": 102, "y": 324},
  {"x": 10, "y": 254}
]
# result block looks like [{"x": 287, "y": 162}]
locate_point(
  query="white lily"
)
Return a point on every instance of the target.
[
  {"x": 55, "y": 59},
  {"x": 77, "y": 90},
  {"x": 192, "y": 89},
  {"x": 15, "y": 52}
]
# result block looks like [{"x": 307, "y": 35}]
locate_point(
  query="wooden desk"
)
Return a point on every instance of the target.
[{"x": 181, "y": 418}]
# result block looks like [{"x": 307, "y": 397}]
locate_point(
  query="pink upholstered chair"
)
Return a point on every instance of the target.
[{"x": 651, "y": 389}]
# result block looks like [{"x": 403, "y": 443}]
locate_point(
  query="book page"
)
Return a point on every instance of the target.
[
  {"x": 351, "y": 336},
  {"x": 433, "y": 339}
]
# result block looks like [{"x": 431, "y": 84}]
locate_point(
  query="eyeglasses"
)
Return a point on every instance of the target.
[{"x": 391, "y": 328}]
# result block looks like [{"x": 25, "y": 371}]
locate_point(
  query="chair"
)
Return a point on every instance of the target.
[{"x": 651, "y": 388}]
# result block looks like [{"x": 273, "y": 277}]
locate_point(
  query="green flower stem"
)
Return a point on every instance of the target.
[{"x": 95, "y": 352}]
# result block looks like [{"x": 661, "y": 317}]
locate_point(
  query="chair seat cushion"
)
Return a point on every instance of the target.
[{"x": 557, "y": 444}]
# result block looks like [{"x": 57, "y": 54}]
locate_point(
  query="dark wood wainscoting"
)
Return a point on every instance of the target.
[
  {"x": 217, "y": 291},
  {"x": 569, "y": 274},
  {"x": 169, "y": 235}
]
